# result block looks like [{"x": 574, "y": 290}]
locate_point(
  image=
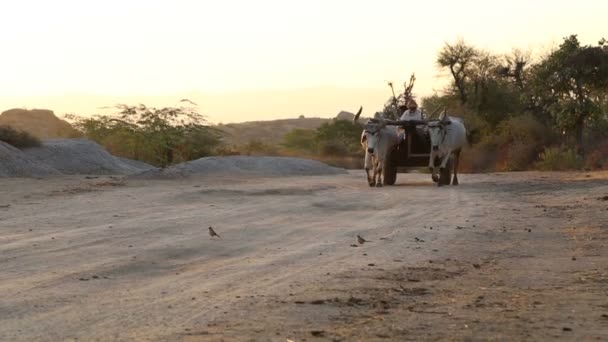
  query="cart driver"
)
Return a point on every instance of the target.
[{"x": 412, "y": 113}]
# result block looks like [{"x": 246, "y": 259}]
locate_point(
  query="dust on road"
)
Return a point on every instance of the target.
[{"x": 516, "y": 256}]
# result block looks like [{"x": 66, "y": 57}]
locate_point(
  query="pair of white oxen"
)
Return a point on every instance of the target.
[{"x": 447, "y": 134}]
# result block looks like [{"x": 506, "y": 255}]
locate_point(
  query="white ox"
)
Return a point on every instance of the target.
[
  {"x": 448, "y": 136},
  {"x": 378, "y": 141}
]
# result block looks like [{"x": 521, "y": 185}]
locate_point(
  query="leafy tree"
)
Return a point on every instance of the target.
[
  {"x": 514, "y": 68},
  {"x": 521, "y": 107},
  {"x": 570, "y": 84},
  {"x": 458, "y": 58},
  {"x": 160, "y": 136},
  {"x": 482, "y": 83}
]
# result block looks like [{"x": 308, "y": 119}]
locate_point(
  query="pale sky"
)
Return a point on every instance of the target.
[{"x": 258, "y": 60}]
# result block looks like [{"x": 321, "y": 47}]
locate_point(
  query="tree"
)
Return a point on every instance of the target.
[
  {"x": 458, "y": 58},
  {"x": 570, "y": 84},
  {"x": 514, "y": 67},
  {"x": 481, "y": 84},
  {"x": 159, "y": 136}
]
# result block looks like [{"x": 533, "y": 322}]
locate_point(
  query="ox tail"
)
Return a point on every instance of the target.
[{"x": 472, "y": 136}]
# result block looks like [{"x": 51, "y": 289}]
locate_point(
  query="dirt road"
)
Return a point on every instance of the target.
[{"x": 507, "y": 257}]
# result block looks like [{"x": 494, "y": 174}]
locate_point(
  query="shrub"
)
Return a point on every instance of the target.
[
  {"x": 338, "y": 138},
  {"x": 513, "y": 146},
  {"x": 481, "y": 157},
  {"x": 302, "y": 140},
  {"x": 597, "y": 158},
  {"x": 227, "y": 151},
  {"x": 557, "y": 159},
  {"x": 258, "y": 148},
  {"x": 521, "y": 156},
  {"x": 17, "y": 138},
  {"x": 333, "y": 148}
]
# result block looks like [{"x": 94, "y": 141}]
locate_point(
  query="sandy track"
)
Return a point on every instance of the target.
[{"x": 101, "y": 259}]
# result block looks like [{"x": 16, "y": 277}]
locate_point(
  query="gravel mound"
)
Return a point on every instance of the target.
[
  {"x": 243, "y": 165},
  {"x": 81, "y": 156},
  {"x": 15, "y": 163},
  {"x": 135, "y": 164}
]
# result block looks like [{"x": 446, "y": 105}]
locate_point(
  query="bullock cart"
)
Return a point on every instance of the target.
[{"x": 412, "y": 153}]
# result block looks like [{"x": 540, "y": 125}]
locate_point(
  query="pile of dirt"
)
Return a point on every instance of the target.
[
  {"x": 15, "y": 163},
  {"x": 41, "y": 123},
  {"x": 243, "y": 165},
  {"x": 81, "y": 156}
]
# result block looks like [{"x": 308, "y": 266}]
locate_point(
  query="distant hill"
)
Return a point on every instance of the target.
[
  {"x": 272, "y": 131},
  {"x": 42, "y": 123}
]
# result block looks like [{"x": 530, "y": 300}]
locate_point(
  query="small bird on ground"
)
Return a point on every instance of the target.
[
  {"x": 213, "y": 233},
  {"x": 361, "y": 240}
]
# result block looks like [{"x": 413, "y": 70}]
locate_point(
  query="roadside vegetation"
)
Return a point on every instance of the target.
[
  {"x": 158, "y": 136},
  {"x": 546, "y": 113}
]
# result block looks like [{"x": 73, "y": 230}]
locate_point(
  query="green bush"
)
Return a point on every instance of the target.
[
  {"x": 558, "y": 159},
  {"x": 17, "y": 138},
  {"x": 302, "y": 140},
  {"x": 338, "y": 138}
]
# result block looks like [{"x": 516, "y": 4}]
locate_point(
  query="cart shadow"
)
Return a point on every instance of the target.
[{"x": 415, "y": 184}]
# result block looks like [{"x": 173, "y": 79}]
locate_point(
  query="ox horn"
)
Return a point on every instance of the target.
[{"x": 358, "y": 114}]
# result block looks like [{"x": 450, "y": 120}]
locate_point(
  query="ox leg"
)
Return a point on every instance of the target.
[
  {"x": 370, "y": 181},
  {"x": 444, "y": 162},
  {"x": 380, "y": 174},
  {"x": 456, "y": 162},
  {"x": 442, "y": 167},
  {"x": 373, "y": 181},
  {"x": 368, "y": 165},
  {"x": 432, "y": 168},
  {"x": 434, "y": 175}
]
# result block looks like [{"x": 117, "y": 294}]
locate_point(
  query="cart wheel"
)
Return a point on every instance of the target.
[{"x": 390, "y": 167}]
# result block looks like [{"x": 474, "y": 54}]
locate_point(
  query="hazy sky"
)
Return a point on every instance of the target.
[{"x": 245, "y": 60}]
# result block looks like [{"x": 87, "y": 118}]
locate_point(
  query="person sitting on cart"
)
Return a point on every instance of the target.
[{"x": 412, "y": 113}]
